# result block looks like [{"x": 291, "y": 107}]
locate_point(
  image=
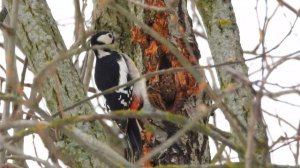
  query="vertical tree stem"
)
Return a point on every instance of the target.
[{"x": 11, "y": 69}]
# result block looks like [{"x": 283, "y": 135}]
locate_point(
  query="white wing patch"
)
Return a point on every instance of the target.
[
  {"x": 123, "y": 71},
  {"x": 124, "y": 103},
  {"x": 106, "y": 107},
  {"x": 123, "y": 75}
]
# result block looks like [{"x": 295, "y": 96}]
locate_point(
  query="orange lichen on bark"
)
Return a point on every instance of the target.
[
  {"x": 184, "y": 81},
  {"x": 146, "y": 150},
  {"x": 185, "y": 52},
  {"x": 151, "y": 64},
  {"x": 157, "y": 3},
  {"x": 147, "y": 137},
  {"x": 152, "y": 49},
  {"x": 160, "y": 24},
  {"x": 167, "y": 91},
  {"x": 155, "y": 54},
  {"x": 137, "y": 35},
  {"x": 181, "y": 79}
]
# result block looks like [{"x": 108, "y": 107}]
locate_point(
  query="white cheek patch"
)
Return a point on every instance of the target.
[{"x": 105, "y": 39}]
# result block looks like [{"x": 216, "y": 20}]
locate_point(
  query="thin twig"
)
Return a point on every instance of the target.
[
  {"x": 12, "y": 80},
  {"x": 17, "y": 153},
  {"x": 280, "y": 119},
  {"x": 88, "y": 69},
  {"x": 11, "y": 68},
  {"x": 282, "y": 2},
  {"x": 298, "y": 145}
]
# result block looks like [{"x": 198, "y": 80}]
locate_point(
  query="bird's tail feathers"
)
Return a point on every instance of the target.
[{"x": 134, "y": 137}]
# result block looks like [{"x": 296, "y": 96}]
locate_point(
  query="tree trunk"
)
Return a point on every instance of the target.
[
  {"x": 224, "y": 41},
  {"x": 60, "y": 85},
  {"x": 178, "y": 93}
]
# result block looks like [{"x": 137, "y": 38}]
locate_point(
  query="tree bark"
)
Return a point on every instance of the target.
[
  {"x": 224, "y": 41},
  {"x": 60, "y": 86},
  {"x": 12, "y": 80},
  {"x": 179, "y": 93}
]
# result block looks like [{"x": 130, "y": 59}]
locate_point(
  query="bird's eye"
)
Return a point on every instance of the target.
[{"x": 110, "y": 35}]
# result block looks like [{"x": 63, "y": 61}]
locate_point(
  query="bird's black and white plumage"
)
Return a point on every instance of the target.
[{"x": 113, "y": 69}]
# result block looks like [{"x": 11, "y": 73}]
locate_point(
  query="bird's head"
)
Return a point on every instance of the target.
[
  {"x": 100, "y": 39},
  {"x": 103, "y": 38}
]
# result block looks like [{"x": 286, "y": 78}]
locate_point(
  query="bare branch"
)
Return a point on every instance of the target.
[{"x": 282, "y": 2}]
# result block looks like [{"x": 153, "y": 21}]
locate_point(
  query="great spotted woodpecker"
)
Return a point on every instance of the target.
[{"x": 112, "y": 69}]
